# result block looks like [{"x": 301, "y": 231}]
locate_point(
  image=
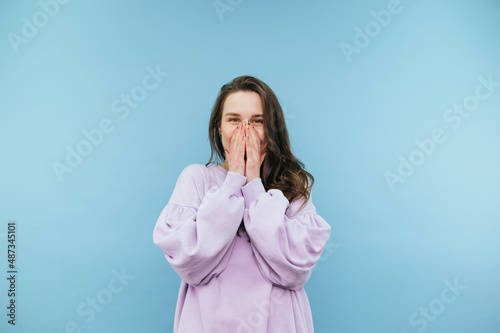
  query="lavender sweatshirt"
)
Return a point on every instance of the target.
[{"x": 230, "y": 285}]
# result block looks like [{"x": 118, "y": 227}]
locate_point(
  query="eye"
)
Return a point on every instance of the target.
[
  {"x": 231, "y": 119},
  {"x": 259, "y": 120}
]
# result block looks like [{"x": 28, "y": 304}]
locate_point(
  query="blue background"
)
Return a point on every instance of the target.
[{"x": 351, "y": 119}]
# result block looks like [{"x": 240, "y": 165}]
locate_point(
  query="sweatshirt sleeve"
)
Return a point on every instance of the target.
[
  {"x": 286, "y": 243},
  {"x": 196, "y": 229}
]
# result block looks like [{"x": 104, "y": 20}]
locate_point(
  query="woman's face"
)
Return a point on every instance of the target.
[{"x": 239, "y": 106}]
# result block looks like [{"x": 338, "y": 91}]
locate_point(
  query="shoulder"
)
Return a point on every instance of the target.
[
  {"x": 190, "y": 186},
  {"x": 201, "y": 174},
  {"x": 196, "y": 172},
  {"x": 195, "y": 168},
  {"x": 301, "y": 205}
]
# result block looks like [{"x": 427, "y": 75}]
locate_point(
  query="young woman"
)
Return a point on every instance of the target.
[{"x": 244, "y": 235}]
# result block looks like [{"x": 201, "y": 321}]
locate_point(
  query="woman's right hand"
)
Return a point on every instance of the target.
[{"x": 236, "y": 154}]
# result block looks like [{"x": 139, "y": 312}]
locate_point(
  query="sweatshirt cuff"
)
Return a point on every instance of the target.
[
  {"x": 234, "y": 181},
  {"x": 252, "y": 190}
]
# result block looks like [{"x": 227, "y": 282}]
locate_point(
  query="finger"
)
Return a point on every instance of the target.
[
  {"x": 235, "y": 142},
  {"x": 234, "y": 134},
  {"x": 239, "y": 131},
  {"x": 248, "y": 136},
  {"x": 242, "y": 142},
  {"x": 231, "y": 141},
  {"x": 252, "y": 153},
  {"x": 254, "y": 138}
]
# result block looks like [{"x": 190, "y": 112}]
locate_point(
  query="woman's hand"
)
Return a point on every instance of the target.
[
  {"x": 235, "y": 156},
  {"x": 254, "y": 156}
]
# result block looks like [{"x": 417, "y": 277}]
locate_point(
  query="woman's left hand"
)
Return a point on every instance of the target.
[{"x": 254, "y": 155}]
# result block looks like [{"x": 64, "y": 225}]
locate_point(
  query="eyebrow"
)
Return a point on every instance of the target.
[{"x": 232, "y": 114}]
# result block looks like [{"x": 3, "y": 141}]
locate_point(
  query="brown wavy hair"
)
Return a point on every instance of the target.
[{"x": 280, "y": 169}]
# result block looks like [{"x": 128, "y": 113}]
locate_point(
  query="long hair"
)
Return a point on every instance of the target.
[{"x": 280, "y": 169}]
